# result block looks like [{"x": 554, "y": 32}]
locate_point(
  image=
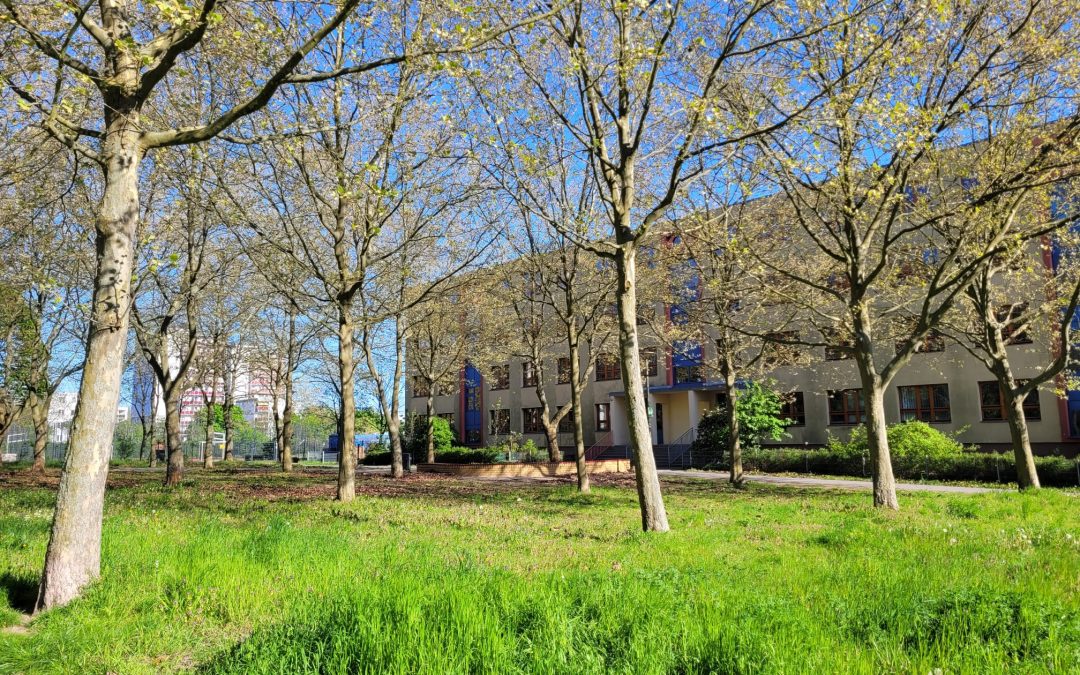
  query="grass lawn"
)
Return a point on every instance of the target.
[{"x": 253, "y": 572}]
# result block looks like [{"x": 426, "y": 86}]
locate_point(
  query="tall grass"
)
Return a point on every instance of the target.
[{"x": 541, "y": 580}]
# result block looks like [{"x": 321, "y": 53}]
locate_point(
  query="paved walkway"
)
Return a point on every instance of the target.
[{"x": 839, "y": 483}]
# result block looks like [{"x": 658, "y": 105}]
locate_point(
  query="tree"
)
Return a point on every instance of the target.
[
  {"x": 123, "y": 60},
  {"x": 883, "y": 183},
  {"x": 1013, "y": 297},
  {"x": 646, "y": 95}
]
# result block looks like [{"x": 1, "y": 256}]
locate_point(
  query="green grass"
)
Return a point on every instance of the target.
[{"x": 436, "y": 576}]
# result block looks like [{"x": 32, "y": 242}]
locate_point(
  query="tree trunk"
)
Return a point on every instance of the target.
[
  {"x": 1026, "y": 475},
  {"x": 430, "y": 425},
  {"x": 73, "y": 557},
  {"x": 153, "y": 423},
  {"x": 208, "y": 453},
  {"x": 878, "y": 442},
  {"x": 734, "y": 445},
  {"x": 227, "y": 405},
  {"x": 651, "y": 502},
  {"x": 579, "y": 433},
  {"x": 551, "y": 432},
  {"x": 174, "y": 451},
  {"x": 397, "y": 463},
  {"x": 346, "y": 487},
  {"x": 286, "y": 425},
  {"x": 39, "y": 414}
]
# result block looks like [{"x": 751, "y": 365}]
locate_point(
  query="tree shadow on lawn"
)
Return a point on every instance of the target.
[{"x": 21, "y": 591}]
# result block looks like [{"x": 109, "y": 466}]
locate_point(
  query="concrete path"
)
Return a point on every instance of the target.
[{"x": 839, "y": 483}]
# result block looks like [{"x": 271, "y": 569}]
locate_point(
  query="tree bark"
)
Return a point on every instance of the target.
[
  {"x": 579, "y": 433},
  {"x": 286, "y": 425},
  {"x": 650, "y": 500},
  {"x": 208, "y": 453},
  {"x": 1026, "y": 474},
  {"x": 878, "y": 444},
  {"x": 73, "y": 557},
  {"x": 174, "y": 468},
  {"x": 227, "y": 404},
  {"x": 551, "y": 432},
  {"x": 39, "y": 414},
  {"x": 430, "y": 424},
  {"x": 346, "y": 487},
  {"x": 734, "y": 445}
]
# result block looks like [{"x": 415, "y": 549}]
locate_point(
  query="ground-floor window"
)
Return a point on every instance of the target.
[
  {"x": 992, "y": 403},
  {"x": 847, "y": 406},
  {"x": 421, "y": 388},
  {"x": 566, "y": 424},
  {"x": 925, "y": 402},
  {"x": 794, "y": 408},
  {"x": 532, "y": 421},
  {"x": 499, "y": 422},
  {"x": 603, "y": 417}
]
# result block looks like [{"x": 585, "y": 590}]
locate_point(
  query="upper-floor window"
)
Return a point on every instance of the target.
[
  {"x": 421, "y": 388},
  {"x": 500, "y": 376},
  {"x": 925, "y": 402},
  {"x": 683, "y": 374},
  {"x": 607, "y": 367},
  {"x": 528, "y": 374},
  {"x": 1014, "y": 330},
  {"x": 649, "y": 366},
  {"x": 779, "y": 350},
  {"x": 839, "y": 347},
  {"x": 564, "y": 370},
  {"x": 566, "y": 424}
]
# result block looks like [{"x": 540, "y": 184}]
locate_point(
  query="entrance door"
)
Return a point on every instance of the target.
[{"x": 659, "y": 424}]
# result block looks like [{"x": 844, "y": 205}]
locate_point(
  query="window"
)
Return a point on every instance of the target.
[
  {"x": 449, "y": 417},
  {"x": 532, "y": 421},
  {"x": 499, "y": 422},
  {"x": 925, "y": 402},
  {"x": 648, "y": 362},
  {"x": 564, "y": 370},
  {"x": 794, "y": 409},
  {"x": 607, "y": 367},
  {"x": 847, "y": 406},
  {"x": 839, "y": 347},
  {"x": 777, "y": 352},
  {"x": 528, "y": 374},
  {"x": 1014, "y": 330},
  {"x": 500, "y": 377},
  {"x": 566, "y": 424},
  {"x": 420, "y": 387},
  {"x": 933, "y": 341},
  {"x": 603, "y": 417},
  {"x": 992, "y": 403},
  {"x": 689, "y": 374}
]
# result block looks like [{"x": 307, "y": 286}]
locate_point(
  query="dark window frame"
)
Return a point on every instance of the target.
[
  {"x": 853, "y": 405},
  {"x": 608, "y": 367},
  {"x": 793, "y": 407},
  {"x": 421, "y": 387},
  {"x": 563, "y": 370},
  {"x": 532, "y": 420},
  {"x": 1032, "y": 407},
  {"x": 530, "y": 374},
  {"x": 499, "y": 421},
  {"x": 603, "y": 422},
  {"x": 927, "y": 406},
  {"x": 500, "y": 377}
]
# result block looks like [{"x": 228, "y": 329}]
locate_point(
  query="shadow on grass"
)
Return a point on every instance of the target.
[{"x": 21, "y": 591}]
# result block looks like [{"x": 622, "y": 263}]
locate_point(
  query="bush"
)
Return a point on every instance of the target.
[
  {"x": 382, "y": 457},
  {"x": 759, "y": 412},
  {"x": 459, "y": 455},
  {"x": 909, "y": 441},
  {"x": 414, "y": 435},
  {"x": 967, "y": 465}
]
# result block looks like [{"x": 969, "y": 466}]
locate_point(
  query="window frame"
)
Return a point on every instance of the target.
[
  {"x": 844, "y": 395},
  {"x": 499, "y": 421},
  {"x": 530, "y": 374},
  {"x": 532, "y": 420},
  {"x": 930, "y": 412},
  {"x": 602, "y": 422},
  {"x": 500, "y": 377},
  {"x": 420, "y": 391},
  {"x": 1029, "y": 407},
  {"x": 793, "y": 407},
  {"x": 563, "y": 370},
  {"x": 608, "y": 367}
]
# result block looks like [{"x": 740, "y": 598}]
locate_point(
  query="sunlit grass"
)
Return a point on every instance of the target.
[{"x": 449, "y": 577}]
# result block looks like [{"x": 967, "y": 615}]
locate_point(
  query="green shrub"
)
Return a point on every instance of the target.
[
  {"x": 414, "y": 435},
  {"x": 759, "y": 410},
  {"x": 842, "y": 460},
  {"x": 459, "y": 455},
  {"x": 381, "y": 458}
]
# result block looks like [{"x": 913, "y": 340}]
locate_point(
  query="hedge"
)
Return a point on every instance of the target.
[
  {"x": 989, "y": 467},
  {"x": 460, "y": 455}
]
